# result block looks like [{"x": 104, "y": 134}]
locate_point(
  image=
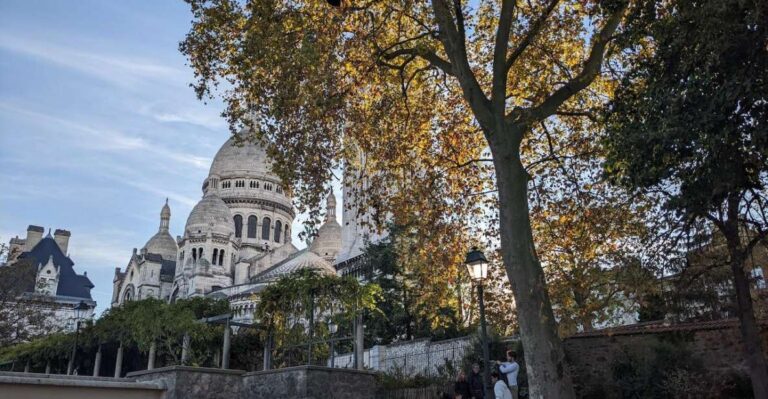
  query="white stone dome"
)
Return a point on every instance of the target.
[
  {"x": 244, "y": 159},
  {"x": 162, "y": 244},
  {"x": 327, "y": 243},
  {"x": 210, "y": 214}
]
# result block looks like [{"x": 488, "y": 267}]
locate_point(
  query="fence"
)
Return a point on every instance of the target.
[{"x": 418, "y": 357}]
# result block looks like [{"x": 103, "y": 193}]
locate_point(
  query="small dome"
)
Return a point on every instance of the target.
[
  {"x": 239, "y": 160},
  {"x": 328, "y": 241},
  {"x": 210, "y": 214},
  {"x": 162, "y": 244}
]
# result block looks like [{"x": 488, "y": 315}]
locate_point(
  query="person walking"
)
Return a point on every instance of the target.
[
  {"x": 500, "y": 389},
  {"x": 510, "y": 368},
  {"x": 476, "y": 383},
  {"x": 461, "y": 386}
]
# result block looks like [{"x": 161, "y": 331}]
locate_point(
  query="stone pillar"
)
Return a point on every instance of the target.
[
  {"x": 48, "y": 367},
  {"x": 97, "y": 362},
  {"x": 119, "y": 361},
  {"x": 26, "y": 367},
  {"x": 268, "y": 353},
  {"x": 185, "y": 349},
  {"x": 152, "y": 352},
  {"x": 359, "y": 343},
  {"x": 225, "y": 349}
]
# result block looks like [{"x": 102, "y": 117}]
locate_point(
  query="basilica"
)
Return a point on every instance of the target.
[{"x": 237, "y": 239}]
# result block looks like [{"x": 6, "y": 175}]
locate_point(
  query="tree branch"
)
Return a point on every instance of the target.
[
  {"x": 427, "y": 55},
  {"x": 590, "y": 70},
  {"x": 533, "y": 31},
  {"x": 499, "y": 82}
]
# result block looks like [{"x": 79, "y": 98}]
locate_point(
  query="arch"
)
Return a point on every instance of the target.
[
  {"x": 129, "y": 294},
  {"x": 221, "y": 257},
  {"x": 174, "y": 294},
  {"x": 194, "y": 254},
  {"x": 252, "y": 226},
  {"x": 238, "y": 226},
  {"x": 215, "y": 256},
  {"x": 266, "y": 224},
  {"x": 278, "y": 230}
]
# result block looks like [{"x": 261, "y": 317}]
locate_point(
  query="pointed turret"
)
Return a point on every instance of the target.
[{"x": 165, "y": 217}]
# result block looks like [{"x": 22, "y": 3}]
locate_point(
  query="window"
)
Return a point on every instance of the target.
[
  {"x": 265, "y": 226},
  {"x": 194, "y": 253},
  {"x": 226, "y": 184},
  {"x": 240, "y": 183},
  {"x": 252, "y": 184},
  {"x": 200, "y": 253},
  {"x": 279, "y": 190},
  {"x": 215, "y": 255},
  {"x": 238, "y": 226},
  {"x": 278, "y": 230},
  {"x": 268, "y": 186},
  {"x": 252, "y": 226},
  {"x": 221, "y": 257}
]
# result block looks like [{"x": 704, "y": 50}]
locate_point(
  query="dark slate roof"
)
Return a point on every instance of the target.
[{"x": 70, "y": 283}]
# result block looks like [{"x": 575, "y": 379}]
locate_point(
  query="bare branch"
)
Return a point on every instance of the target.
[{"x": 425, "y": 54}]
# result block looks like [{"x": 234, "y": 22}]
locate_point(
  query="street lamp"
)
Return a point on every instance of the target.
[
  {"x": 80, "y": 311},
  {"x": 477, "y": 266}
]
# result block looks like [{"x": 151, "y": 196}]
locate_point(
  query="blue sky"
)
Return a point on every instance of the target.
[{"x": 98, "y": 126}]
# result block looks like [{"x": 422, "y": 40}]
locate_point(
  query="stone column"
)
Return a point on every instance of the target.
[
  {"x": 119, "y": 361},
  {"x": 359, "y": 343},
  {"x": 97, "y": 362},
  {"x": 268, "y": 353},
  {"x": 225, "y": 349},
  {"x": 48, "y": 367},
  {"x": 152, "y": 352},
  {"x": 185, "y": 349},
  {"x": 26, "y": 367}
]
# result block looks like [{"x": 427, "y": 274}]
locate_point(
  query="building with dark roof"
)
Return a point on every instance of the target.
[{"x": 56, "y": 283}]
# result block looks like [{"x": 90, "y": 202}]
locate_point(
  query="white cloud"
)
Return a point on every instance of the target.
[{"x": 119, "y": 70}]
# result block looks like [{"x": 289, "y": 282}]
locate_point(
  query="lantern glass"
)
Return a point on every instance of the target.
[
  {"x": 477, "y": 265},
  {"x": 80, "y": 310}
]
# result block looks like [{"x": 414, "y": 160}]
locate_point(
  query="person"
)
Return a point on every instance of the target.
[
  {"x": 509, "y": 369},
  {"x": 461, "y": 386},
  {"x": 476, "y": 383},
  {"x": 500, "y": 389}
]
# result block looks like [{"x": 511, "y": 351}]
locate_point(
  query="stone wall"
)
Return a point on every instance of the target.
[
  {"x": 310, "y": 382},
  {"x": 716, "y": 344},
  {"x": 183, "y": 382},
  {"x": 28, "y": 385}
]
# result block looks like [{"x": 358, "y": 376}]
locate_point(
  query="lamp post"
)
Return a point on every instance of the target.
[
  {"x": 80, "y": 311},
  {"x": 477, "y": 266}
]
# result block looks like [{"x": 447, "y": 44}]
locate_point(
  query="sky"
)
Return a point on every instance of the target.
[{"x": 98, "y": 125}]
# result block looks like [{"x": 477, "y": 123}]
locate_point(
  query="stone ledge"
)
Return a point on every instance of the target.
[
  {"x": 84, "y": 383},
  {"x": 207, "y": 370},
  {"x": 311, "y": 368},
  {"x": 62, "y": 376}
]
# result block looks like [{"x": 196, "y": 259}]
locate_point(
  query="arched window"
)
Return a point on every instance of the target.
[
  {"x": 194, "y": 253},
  {"x": 266, "y": 224},
  {"x": 215, "y": 255},
  {"x": 278, "y": 230},
  {"x": 200, "y": 253},
  {"x": 238, "y": 226},
  {"x": 221, "y": 258},
  {"x": 251, "y": 226}
]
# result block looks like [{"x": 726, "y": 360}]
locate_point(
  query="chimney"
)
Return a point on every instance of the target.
[
  {"x": 34, "y": 235},
  {"x": 61, "y": 237}
]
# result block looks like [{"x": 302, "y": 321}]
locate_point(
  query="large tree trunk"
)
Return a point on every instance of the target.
[
  {"x": 548, "y": 373},
  {"x": 750, "y": 331}
]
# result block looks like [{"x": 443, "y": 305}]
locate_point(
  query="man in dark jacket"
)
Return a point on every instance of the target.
[{"x": 476, "y": 383}]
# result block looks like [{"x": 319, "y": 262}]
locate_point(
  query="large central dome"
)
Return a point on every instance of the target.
[{"x": 244, "y": 159}]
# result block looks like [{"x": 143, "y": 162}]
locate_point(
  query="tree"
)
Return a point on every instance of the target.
[
  {"x": 431, "y": 93},
  {"x": 23, "y": 315},
  {"x": 690, "y": 120}
]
